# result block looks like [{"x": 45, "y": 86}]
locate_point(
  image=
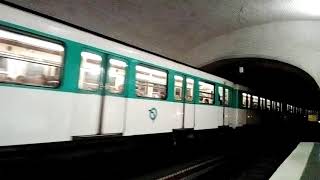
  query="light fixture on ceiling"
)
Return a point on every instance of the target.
[
  {"x": 241, "y": 69},
  {"x": 310, "y": 7}
]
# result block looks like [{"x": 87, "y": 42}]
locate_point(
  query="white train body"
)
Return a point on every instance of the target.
[{"x": 39, "y": 115}]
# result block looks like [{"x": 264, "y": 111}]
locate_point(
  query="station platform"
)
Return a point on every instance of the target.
[{"x": 302, "y": 164}]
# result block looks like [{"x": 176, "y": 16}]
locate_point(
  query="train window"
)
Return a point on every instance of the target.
[
  {"x": 249, "y": 101},
  {"x": 262, "y": 103},
  {"x": 268, "y": 104},
  {"x": 29, "y": 60},
  {"x": 274, "y": 105},
  {"x": 116, "y": 76},
  {"x": 178, "y": 88},
  {"x": 190, "y": 87},
  {"x": 206, "y": 93},
  {"x": 278, "y": 106},
  {"x": 244, "y": 100},
  {"x": 90, "y": 71},
  {"x": 226, "y": 97},
  {"x": 220, "y": 91},
  {"x": 151, "y": 83},
  {"x": 255, "y": 102}
]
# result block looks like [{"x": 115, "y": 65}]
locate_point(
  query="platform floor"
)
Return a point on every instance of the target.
[{"x": 302, "y": 164}]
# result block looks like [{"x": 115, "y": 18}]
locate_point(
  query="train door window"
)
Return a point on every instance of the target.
[
  {"x": 190, "y": 87},
  {"x": 29, "y": 60},
  {"x": 255, "y": 102},
  {"x": 90, "y": 71},
  {"x": 206, "y": 93},
  {"x": 151, "y": 83},
  {"x": 268, "y": 104},
  {"x": 249, "y": 101},
  {"x": 226, "y": 97},
  {"x": 244, "y": 100},
  {"x": 220, "y": 93},
  {"x": 116, "y": 76},
  {"x": 178, "y": 88}
]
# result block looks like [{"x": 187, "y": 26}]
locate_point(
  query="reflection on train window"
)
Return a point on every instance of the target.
[
  {"x": 249, "y": 100},
  {"x": 116, "y": 76},
  {"x": 30, "y": 61},
  {"x": 206, "y": 93},
  {"x": 178, "y": 85},
  {"x": 244, "y": 100},
  {"x": 268, "y": 104},
  {"x": 90, "y": 70},
  {"x": 255, "y": 102},
  {"x": 226, "y": 97},
  {"x": 151, "y": 83},
  {"x": 190, "y": 87},
  {"x": 220, "y": 94}
]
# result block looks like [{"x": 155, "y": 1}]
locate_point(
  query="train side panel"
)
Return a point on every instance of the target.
[
  {"x": 189, "y": 117},
  {"x": 34, "y": 116},
  {"x": 206, "y": 117},
  {"x": 114, "y": 114},
  {"x": 84, "y": 114},
  {"x": 146, "y": 116}
]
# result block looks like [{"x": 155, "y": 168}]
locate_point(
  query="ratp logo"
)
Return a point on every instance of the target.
[{"x": 153, "y": 113}]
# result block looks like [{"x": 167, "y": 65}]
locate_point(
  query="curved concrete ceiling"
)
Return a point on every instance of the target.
[{"x": 202, "y": 31}]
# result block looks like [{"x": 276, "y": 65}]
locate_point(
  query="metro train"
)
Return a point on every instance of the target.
[{"x": 58, "y": 82}]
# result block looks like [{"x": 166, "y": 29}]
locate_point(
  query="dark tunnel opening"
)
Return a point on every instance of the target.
[{"x": 270, "y": 78}]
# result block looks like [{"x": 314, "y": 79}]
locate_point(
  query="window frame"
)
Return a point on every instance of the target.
[
  {"x": 252, "y": 103},
  {"x": 184, "y": 80},
  {"x": 214, "y": 91},
  {"x": 219, "y": 102},
  {"x": 100, "y": 81},
  {"x": 229, "y": 96},
  {"x": 155, "y": 68},
  {"x": 43, "y": 38},
  {"x": 193, "y": 89},
  {"x": 246, "y": 98},
  {"x": 106, "y": 75},
  {"x": 249, "y": 100}
]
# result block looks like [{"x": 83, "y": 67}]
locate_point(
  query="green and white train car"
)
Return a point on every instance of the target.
[{"x": 58, "y": 82}]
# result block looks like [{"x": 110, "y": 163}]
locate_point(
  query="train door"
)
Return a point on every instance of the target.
[
  {"x": 113, "y": 101},
  {"x": 188, "y": 103}
]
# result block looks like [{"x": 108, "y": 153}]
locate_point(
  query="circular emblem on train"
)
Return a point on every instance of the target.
[{"x": 153, "y": 113}]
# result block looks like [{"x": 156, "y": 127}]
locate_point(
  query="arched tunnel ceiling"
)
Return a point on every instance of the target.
[{"x": 203, "y": 31}]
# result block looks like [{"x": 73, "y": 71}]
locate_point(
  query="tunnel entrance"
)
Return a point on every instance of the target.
[{"x": 270, "y": 78}]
